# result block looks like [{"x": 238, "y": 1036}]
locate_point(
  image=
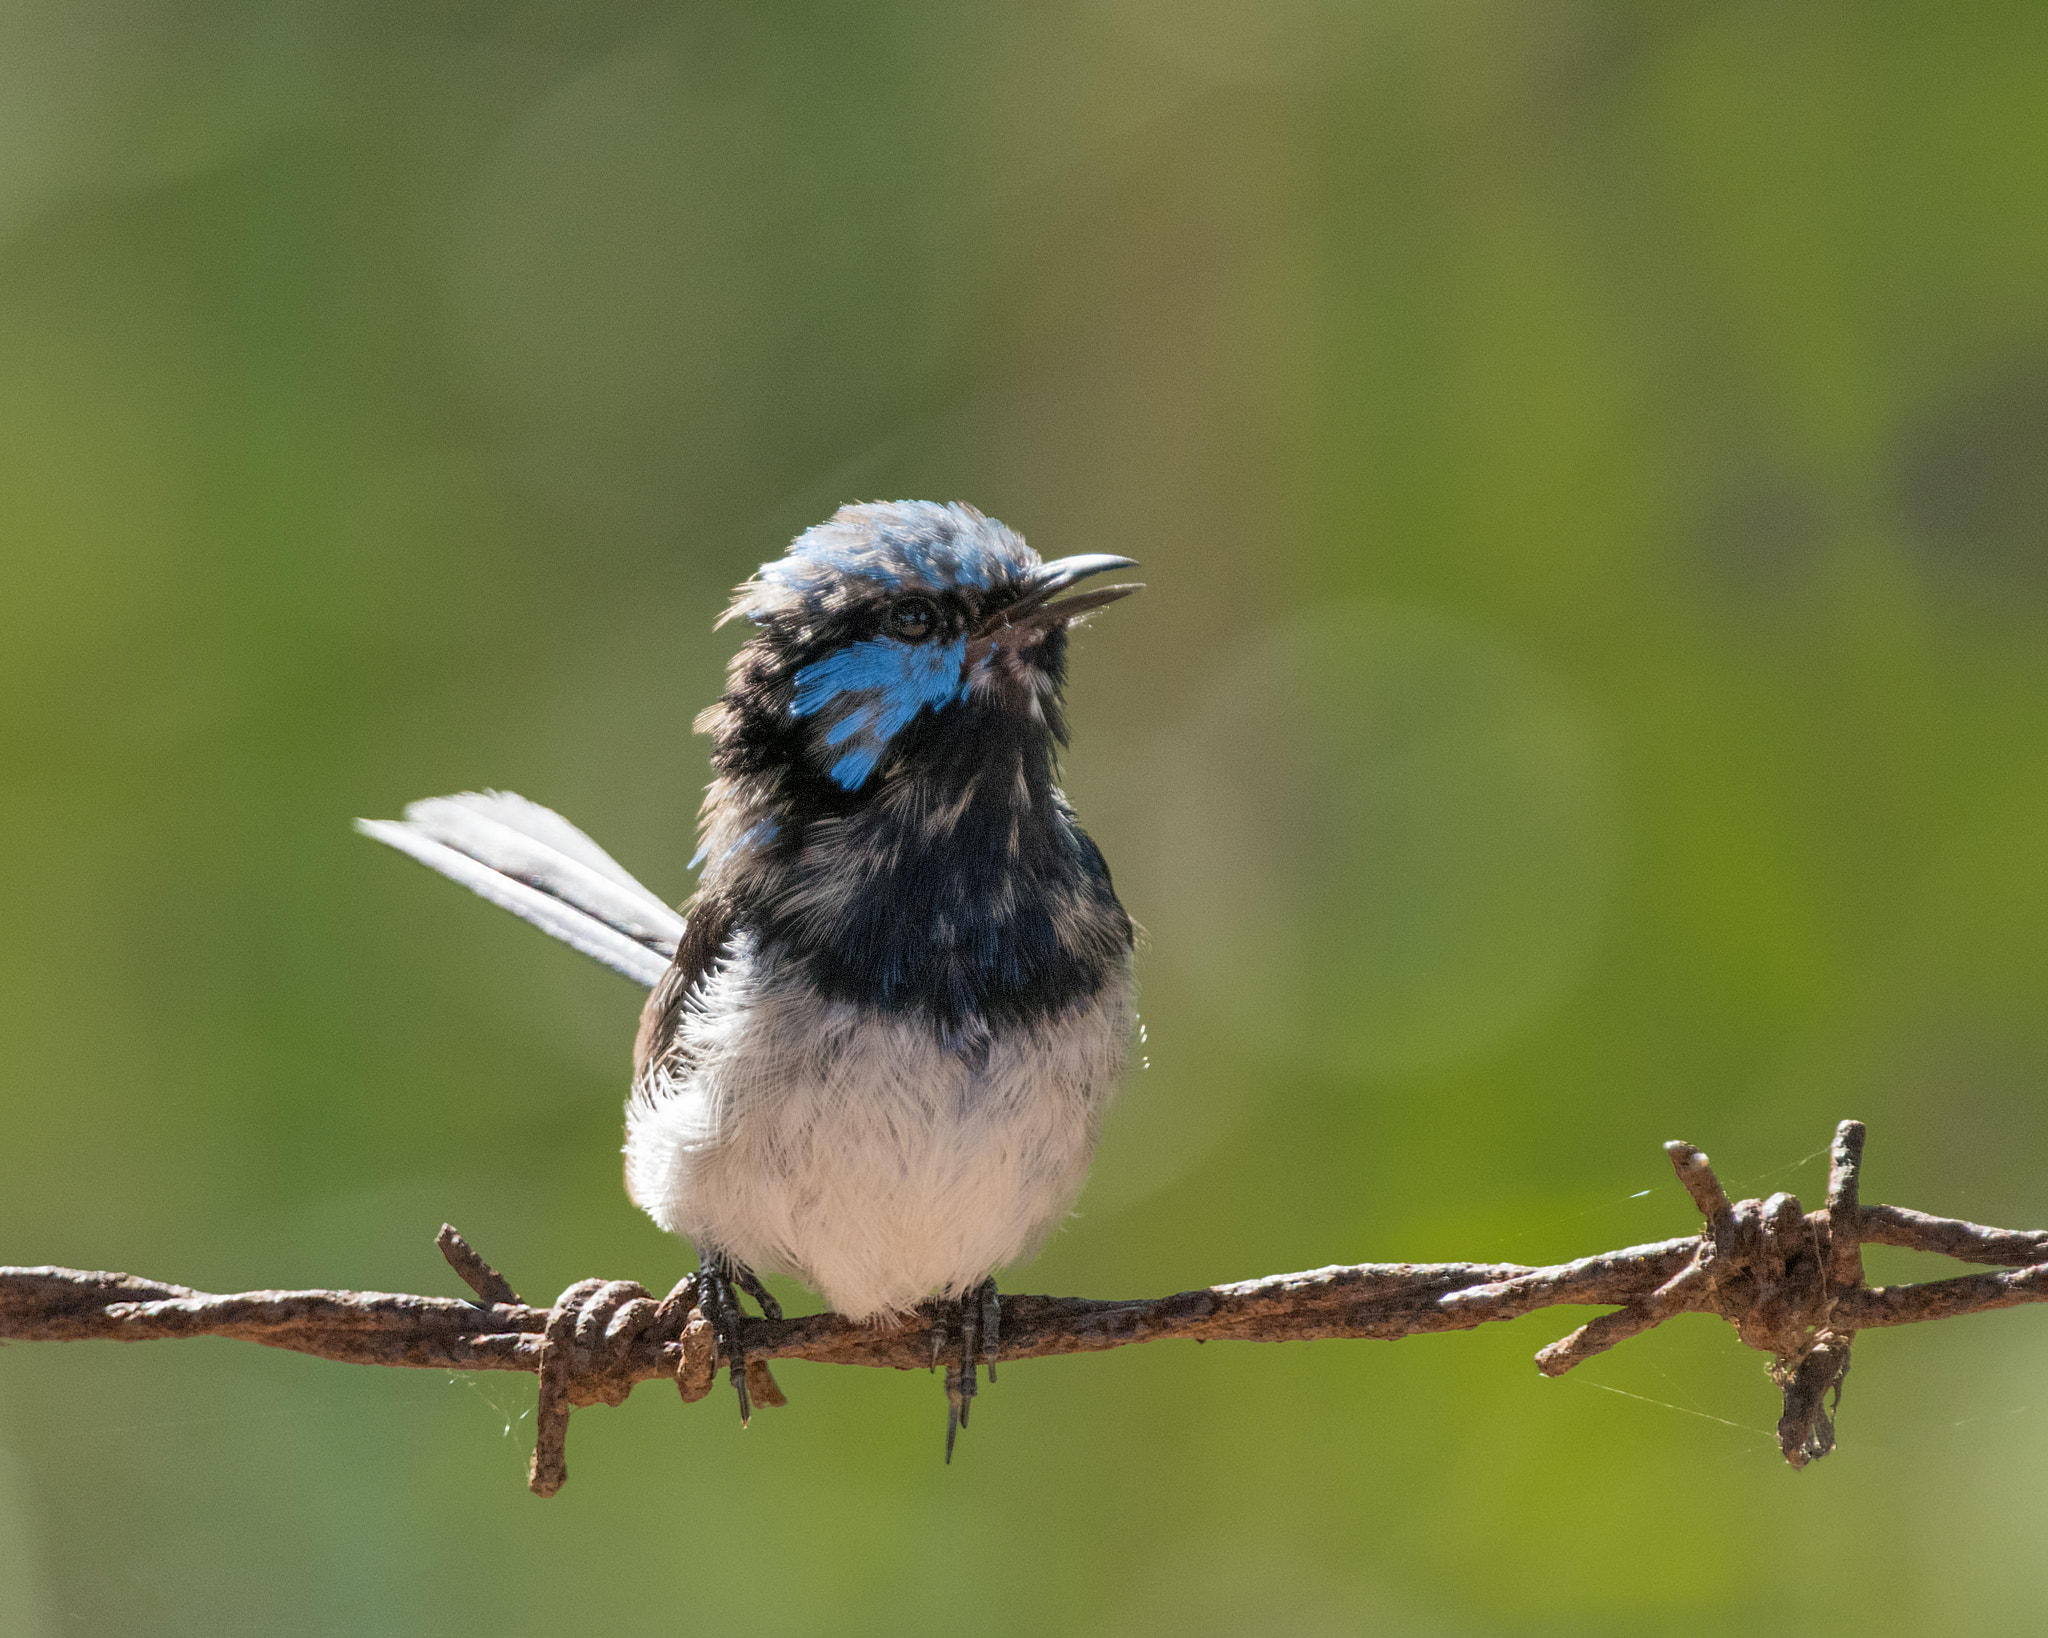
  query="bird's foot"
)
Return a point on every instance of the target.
[
  {"x": 719, "y": 1283},
  {"x": 978, "y": 1317}
]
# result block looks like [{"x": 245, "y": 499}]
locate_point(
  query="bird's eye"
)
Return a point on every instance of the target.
[{"x": 913, "y": 619}]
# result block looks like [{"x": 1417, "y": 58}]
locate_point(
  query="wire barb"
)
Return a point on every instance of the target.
[{"x": 477, "y": 1274}]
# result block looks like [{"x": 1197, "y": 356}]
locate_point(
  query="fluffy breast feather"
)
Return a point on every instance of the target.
[{"x": 861, "y": 1151}]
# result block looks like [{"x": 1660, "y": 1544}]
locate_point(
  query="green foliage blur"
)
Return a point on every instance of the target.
[{"x": 1590, "y": 463}]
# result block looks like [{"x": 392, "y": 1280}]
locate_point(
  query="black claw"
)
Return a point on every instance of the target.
[
  {"x": 722, "y": 1308},
  {"x": 955, "y": 1415}
]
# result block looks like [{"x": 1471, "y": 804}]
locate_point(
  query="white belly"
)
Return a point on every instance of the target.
[{"x": 854, "y": 1152}]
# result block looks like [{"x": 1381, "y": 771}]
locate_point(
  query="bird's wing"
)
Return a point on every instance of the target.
[
  {"x": 533, "y": 862},
  {"x": 712, "y": 922}
]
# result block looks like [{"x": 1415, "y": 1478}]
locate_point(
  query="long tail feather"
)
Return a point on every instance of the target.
[{"x": 533, "y": 862}]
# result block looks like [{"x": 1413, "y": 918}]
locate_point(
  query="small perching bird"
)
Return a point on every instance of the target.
[{"x": 883, "y": 1033}]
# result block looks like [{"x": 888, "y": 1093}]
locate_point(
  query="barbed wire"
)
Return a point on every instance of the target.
[{"x": 1790, "y": 1282}]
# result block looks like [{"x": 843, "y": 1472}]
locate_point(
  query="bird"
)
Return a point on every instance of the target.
[{"x": 883, "y": 1032}]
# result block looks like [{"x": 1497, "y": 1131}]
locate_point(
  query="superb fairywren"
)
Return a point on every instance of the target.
[{"x": 883, "y": 1032}]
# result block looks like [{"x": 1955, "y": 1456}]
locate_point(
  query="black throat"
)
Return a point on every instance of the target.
[{"x": 958, "y": 887}]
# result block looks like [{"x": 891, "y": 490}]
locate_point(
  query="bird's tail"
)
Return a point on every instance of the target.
[{"x": 531, "y": 861}]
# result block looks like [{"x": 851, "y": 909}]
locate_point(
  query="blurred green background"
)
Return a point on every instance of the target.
[{"x": 1590, "y": 462}]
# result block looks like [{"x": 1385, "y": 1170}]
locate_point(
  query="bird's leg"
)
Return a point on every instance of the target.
[
  {"x": 979, "y": 1316},
  {"x": 991, "y": 1323},
  {"x": 716, "y": 1295}
]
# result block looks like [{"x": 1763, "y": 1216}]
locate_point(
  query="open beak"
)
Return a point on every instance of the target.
[{"x": 1042, "y": 604}]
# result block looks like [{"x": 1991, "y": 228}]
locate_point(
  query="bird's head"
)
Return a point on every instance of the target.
[
  {"x": 899, "y": 641},
  {"x": 886, "y": 806}
]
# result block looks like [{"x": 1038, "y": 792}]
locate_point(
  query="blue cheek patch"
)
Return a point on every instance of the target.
[
  {"x": 852, "y": 771},
  {"x": 875, "y": 690}
]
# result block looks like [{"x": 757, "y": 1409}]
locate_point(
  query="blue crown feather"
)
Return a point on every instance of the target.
[{"x": 894, "y": 544}]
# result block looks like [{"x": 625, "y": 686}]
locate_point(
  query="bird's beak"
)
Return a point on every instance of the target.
[{"x": 1037, "y": 606}]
